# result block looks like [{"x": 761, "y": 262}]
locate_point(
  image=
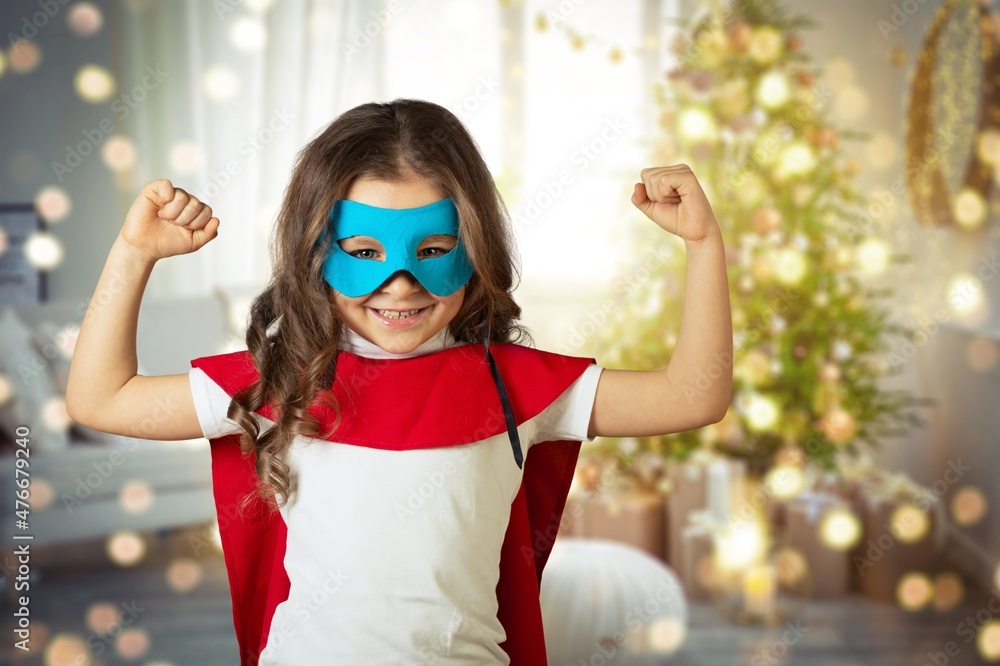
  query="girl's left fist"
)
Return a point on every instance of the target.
[{"x": 672, "y": 197}]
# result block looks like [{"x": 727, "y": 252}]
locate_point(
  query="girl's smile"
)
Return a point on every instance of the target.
[{"x": 399, "y": 317}]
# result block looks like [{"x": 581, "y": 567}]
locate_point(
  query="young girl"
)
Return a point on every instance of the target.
[{"x": 390, "y": 463}]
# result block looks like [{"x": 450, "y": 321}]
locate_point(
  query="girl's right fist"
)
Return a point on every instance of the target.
[{"x": 165, "y": 220}]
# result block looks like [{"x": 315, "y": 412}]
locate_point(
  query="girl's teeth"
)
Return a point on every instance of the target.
[{"x": 390, "y": 314}]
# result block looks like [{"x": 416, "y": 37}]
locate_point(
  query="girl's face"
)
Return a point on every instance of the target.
[{"x": 401, "y": 292}]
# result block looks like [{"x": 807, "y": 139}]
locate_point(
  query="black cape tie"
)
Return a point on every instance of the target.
[{"x": 508, "y": 413}]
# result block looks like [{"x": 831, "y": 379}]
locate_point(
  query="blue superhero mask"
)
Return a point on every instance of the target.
[{"x": 400, "y": 231}]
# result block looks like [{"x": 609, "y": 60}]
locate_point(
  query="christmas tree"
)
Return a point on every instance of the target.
[{"x": 744, "y": 107}]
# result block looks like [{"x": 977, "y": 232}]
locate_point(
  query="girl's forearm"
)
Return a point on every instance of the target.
[
  {"x": 702, "y": 362},
  {"x": 104, "y": 359}
]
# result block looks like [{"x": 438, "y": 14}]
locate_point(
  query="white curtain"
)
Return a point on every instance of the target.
[{"x": 232, "y": 90}]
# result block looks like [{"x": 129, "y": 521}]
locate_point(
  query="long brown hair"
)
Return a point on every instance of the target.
[{"x": 295, "y": 329}]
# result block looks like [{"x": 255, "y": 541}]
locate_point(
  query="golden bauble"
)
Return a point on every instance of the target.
[
  {"x": 822, "y": 137},
  {"x": 791, "y": 456},
  {"x": 829, "y": 372},
  {"x": 765, "y": 45},
  {"x": 762, "y": 270},
  {"x": 765, "y": 220},
  {"x": 838, "y": 257},
  {"x": 701, "y": 81},
  {"x": 838, "y": 425},
  {"x": 713, "y": 45},
  {"x": 739, "y": 35},
  {"x": 790, "y": 265},
  {"x": 802, "y": 193},
  {"x": 733, "y": 98}
]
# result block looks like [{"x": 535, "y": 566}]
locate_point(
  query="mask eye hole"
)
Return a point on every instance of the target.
[
  {"x": 362, "y": 247},
  {"x": 436, "y": 245}
]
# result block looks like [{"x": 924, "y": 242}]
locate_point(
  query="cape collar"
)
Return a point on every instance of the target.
[{"x": 352, "y": 342}]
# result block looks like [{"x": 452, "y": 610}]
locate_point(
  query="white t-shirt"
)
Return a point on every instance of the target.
[{"x": 393, "y": 557}]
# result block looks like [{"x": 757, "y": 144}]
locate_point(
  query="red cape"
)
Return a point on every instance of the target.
[{"x": 444, "y": 398}]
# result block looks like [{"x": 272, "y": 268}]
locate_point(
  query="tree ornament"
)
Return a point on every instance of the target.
[
  {"x": 765, "y": 45},
  {"x": 739, "y": 36},
  {"x": 829, "y": 372},
  {"x": 765, "y": 220},
  {"x": 838, "y": 425}
]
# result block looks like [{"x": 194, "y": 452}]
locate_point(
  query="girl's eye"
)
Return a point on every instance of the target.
[
  {"x": 437, "y": 251},
  {"x": 355, "y": 253}
]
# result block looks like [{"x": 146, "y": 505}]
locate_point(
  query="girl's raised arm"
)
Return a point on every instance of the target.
[
  {"x": 103, "y": 391},
  {"x": 695, "y": 389}
]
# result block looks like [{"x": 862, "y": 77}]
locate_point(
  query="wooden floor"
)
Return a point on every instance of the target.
[{"x": 195, "y": 628}]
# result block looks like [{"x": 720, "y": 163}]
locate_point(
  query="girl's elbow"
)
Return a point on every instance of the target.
[
  {"x": 721, "y": 406},
  {"x": 715, "y": 416},
  {"x": 72, "y": 410}
]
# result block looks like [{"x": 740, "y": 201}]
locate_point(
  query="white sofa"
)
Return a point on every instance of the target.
[{"x": 88, "y": 484}]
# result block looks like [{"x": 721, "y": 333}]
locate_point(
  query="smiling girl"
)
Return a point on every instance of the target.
[{"x": 390, "y": 459}]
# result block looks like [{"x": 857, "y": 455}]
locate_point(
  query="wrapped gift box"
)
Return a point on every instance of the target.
[
  {"x": 849, "y": 490},
  {"x": 688, "y": 493},
  {"x": 889, "y": 550},
  {"x": 633, "y": 517},
  {"x": 703, "y": 482},
  {"x": 829, "y": 568},
  {"x": 695, "y": 559}
]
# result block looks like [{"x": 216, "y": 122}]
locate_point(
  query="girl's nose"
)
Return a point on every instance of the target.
[{"x": 401, "y": 282}]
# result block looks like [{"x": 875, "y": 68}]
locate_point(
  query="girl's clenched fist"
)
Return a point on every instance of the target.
[{"x": 165, "y": 220}]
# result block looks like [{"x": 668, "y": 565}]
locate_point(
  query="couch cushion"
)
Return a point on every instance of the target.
[{"x": 31, "y": 396}]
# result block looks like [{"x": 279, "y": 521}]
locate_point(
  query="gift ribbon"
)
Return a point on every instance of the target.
[
  {"x": 724, "y": 479},
  {"x": 701, "y": 522},
  {"x": 815, "y": 502},
  {"x": 859, "y": 468},
  {"x": 696, "y": 464}
]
